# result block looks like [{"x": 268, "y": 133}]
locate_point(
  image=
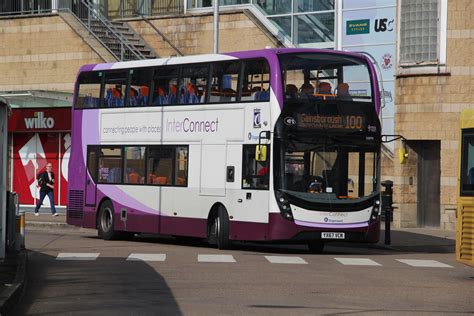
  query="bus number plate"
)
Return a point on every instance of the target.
[{"x": 333, "y": 235}]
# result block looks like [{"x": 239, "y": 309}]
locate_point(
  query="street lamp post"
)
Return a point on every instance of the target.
[{"x": 216, "y": 26}]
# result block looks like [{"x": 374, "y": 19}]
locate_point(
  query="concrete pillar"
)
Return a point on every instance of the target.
[
  {"x": 54, "y": 6},
  {"x": 3, "y": 174}
]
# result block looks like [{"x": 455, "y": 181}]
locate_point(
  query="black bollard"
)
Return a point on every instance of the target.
[{"x": 387, "y": 207}]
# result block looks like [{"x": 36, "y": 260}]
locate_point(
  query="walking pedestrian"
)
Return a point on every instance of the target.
[{"x": 46, "y": 182}]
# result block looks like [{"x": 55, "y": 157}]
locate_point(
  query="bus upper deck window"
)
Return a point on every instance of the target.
[
  {"x": 114, "y": 92},
  {"x": 89, "y": 90},
  {"x": 256, "y": 81},
  {"x": 140, "y": 82},
  {"x": 193, "y": 84},
  {"x": 224, "y": 82}
]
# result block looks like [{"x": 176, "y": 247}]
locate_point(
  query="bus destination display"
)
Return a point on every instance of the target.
[{"x": 351, "y": 122}]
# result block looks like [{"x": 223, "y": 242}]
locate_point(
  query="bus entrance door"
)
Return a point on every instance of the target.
[{"x": 246, "y": 194}]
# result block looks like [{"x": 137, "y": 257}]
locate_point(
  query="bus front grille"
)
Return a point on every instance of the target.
[
  {"x": 467, "y": 234},
  {"x": 75, "y": 206}
]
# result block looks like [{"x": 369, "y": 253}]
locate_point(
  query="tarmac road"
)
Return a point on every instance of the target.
[{"x": 75, "y": 273}]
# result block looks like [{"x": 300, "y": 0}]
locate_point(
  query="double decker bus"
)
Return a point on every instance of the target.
[
  {"x": 465, "y": 207},
  {"x": 265, "y": 145}
]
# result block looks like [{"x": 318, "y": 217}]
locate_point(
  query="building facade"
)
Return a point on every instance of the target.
[{"x": 435, "y": 80}]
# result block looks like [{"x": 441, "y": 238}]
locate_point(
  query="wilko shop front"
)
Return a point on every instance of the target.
[{"x": 38, "y": 136}]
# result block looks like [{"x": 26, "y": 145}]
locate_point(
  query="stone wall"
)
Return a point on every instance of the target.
[
  {"x": 193, "y": 34},
  {"x": 41, "y": 53},
  {"x": 428, "y": 108}
]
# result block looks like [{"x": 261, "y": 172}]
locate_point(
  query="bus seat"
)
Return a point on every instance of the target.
[
  {"x": 181, "y": 181},
  {"x": 161, "y": 180},
  {"x": 133, "y": 177}
]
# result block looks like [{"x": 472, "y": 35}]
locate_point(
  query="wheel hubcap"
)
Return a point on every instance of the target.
[{"x": 106, "y": 220}]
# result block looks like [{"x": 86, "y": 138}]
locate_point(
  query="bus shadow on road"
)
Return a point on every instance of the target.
[
  {"x": 105, "y": 286},
  {"x": 402, "y": 242}
]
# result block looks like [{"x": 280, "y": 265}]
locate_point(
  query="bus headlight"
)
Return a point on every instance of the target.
[
  {"x": 284, "y": 205},
  {"x": 375, "y": 211}
]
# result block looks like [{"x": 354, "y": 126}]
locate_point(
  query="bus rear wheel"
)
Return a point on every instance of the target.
[
  {"x": 316, "y": 246},
  {"x": 105, "y": 223},
  {"x": 219, "y": 230}
]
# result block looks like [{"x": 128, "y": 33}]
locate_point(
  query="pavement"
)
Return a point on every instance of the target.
[{"x": 13, "y": 269}]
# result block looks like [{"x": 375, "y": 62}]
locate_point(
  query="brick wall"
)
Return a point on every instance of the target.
[
  {"x": 193, "y": 34},
  {"x": 41, "y": 53},
  {"x": 428, "y": 108}
]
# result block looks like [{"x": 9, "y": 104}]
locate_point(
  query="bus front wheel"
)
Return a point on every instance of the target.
[
  {"x": 219, "y": 230},
  {"x": 106, "y": 221}
]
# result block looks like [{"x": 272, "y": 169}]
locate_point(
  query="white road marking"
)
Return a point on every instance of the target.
[
  {"x": 285, "y": 260},
  {"x": 424, "y": 263},
  {"x": 146, "y": 257},
  {"x": 77, "y": 256},
  {"x": 357, "y": 262},
  {"x": 216, "y": 258}
]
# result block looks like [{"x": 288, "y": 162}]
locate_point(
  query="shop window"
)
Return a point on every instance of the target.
[
  {"x": 134, "y": 165},
  {"x": 256, "y": 81},
  {"x": 168, "y": 165},
  {"x": 224, "y": 82},
  {"x": 110, "y": 165},
  {"x": 140, "y": 84},
  {"x": 255, "y": 174},
  {"x": 114, "y": 92},
  {"x": 193, "y": 84},
  {"x": 166, "y": 85},
  {"x": 89, "y": 90}
]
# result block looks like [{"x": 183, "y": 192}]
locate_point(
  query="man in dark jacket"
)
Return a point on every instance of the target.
[{"x": 46, "y": 182}]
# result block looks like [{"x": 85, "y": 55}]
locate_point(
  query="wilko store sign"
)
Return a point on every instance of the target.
[
  {"x": 39, "y": 121},
  {"x": 34, "y": 120}
]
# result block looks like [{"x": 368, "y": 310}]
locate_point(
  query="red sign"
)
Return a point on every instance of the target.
[{"x": 40, "y": 119}]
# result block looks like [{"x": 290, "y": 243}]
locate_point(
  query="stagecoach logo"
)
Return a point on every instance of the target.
[
  {"x": 358, "y": 27},
  {"x": 289, "y": 121},
  {"x": 387, "y": 61},
  {"x": 257, "y": 118},
  {"x": 39, "y": 121},
  {"x": 326, "y": 219}
]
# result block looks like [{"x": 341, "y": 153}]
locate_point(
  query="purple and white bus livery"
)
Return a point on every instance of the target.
[{"x": 267, "y": 145}]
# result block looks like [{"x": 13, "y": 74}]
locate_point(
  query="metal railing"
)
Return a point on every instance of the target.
[
  {"x": 24, "y": 7},
  {"x": 106, "y": 32},
  {"x": 87, "y": 14},
  {"x": 163, "y": 36},
  {"x": 135, "y": 8}
]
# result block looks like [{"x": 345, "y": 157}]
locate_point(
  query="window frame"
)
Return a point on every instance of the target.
[
  {"x": 98, "y": 148},
  {"x": 173, "y": 166},
  {"x": 179, "y": 67},
  {"x": 250, "y": 146},
  {"x": 124, "y": 158},
  {"x": 429, "y": 67},
  {"x": 465, "y": 135}
]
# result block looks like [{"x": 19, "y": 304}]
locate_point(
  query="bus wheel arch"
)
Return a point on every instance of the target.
[
  {"x": 105, "y": 219},
  {"x": 218, "y": 227}
]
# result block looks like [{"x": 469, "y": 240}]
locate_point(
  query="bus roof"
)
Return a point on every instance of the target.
[{"x": 269, "y": 53}]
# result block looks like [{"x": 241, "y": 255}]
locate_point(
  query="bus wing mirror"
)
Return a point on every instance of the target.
[
  {"x": 261, "y": 153},
  {"x": 403, "y": 153}
]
